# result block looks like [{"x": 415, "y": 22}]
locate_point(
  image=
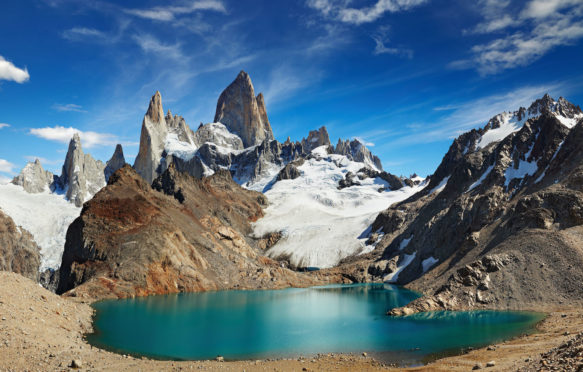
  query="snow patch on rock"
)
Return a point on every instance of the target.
[{"x": 405, "y": 261}]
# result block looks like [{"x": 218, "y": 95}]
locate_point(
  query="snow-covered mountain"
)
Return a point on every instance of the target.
[
  {"x": 322, "y": 223},
  {"x": 500, "y": 127},
  {"x": 330, "y": 209}
]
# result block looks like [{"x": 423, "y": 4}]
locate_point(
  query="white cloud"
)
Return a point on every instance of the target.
[
  {"x": 150, "y": 44},
  {"x": 10, "y": 72},
  {"x": 341, "y": 10},
  {"x": 6, "y": 166},
  {"x": 546, "y": 8},
  {"x": 4, "y": 125},
  {"x": 68, "y": 107},
  {"x": 539, "y": 27},
  {"x": 170, "y": 13},
  {"x": 64, "y": 135},
  {"x": 4, "y": 180},
  {"x": 78, "y": 33}
]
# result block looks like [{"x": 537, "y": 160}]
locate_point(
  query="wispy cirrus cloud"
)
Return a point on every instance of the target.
[
  {"x": 68, "y": 107},
  {"x": 170, "y": 13},
  {"x": 341, "y": 9},
  {"x": 150, "y": 44},
  {"x": 4, "y": 125},
  {"x": 381, "y": 39},
  {"x": 78, "y": 33},
  {"x": 466, "y": 115},
  {"x": 531, "y": 31},
  {"x": 12, "y": 73},
  {"x": 64, "y": 134}
]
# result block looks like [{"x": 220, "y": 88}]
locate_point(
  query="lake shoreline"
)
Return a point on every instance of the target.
[{"x": 42, "y": 331}]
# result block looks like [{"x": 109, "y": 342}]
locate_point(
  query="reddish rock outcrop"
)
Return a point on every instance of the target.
[{"x": 180, "y": 235}]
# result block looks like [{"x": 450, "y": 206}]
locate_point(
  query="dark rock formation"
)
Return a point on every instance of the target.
[
  {"x": 290, "y": 171},
  {"x": 18, "y": 250},
  {"x": 517, "y": 202}
]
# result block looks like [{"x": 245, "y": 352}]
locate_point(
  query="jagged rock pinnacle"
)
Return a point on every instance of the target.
[
  {"x": 116, "y": 162},
  {"x": 243, "y": 113},
  {"x": 155, "y": 111}
]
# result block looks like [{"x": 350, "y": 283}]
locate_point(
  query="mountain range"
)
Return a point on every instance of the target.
[{"x": 228, "y": 206}]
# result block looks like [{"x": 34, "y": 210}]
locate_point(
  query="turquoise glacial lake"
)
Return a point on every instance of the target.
[{"x": 291, "y": 322}]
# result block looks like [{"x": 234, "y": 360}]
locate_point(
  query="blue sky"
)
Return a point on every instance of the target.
[{"x": 405, "y": 76}]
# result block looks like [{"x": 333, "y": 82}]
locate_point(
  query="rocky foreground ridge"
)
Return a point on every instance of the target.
[
  {"x": 181, "y": 234},
  {"x": 500, "y": 224}
]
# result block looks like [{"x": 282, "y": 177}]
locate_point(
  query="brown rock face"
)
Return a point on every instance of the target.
[
  {"x": 18, "y": 251},
  {"x": 243, "y": 113},
  {"x": 183, "y": 234}
]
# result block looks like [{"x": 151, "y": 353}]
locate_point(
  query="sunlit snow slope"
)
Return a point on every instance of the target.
[
  {"x": 321, "y": 225},
  {"x": 45, "y": 215}
]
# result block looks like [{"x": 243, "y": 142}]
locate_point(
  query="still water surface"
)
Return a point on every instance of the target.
[{"x": 289, "y": 322}]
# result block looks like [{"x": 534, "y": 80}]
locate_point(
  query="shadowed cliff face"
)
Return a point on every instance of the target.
[
  {"x": 182, "y": 234},
  {"x": 18, "y": 251}
]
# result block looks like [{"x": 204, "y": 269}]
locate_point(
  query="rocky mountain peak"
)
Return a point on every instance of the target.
[
  {"x": 316, "y": 138},
  {"x": 33, "y": 178},
  {"x": 116, "y": 162},
  {"x": 357, "y": 151},
  {"x": 244, "y": 79},
  {"x": 82, "y": 175},
  {"x": 152, "y": 140},
  {"x": 243, "y": 113},
  {"x": 155, "y": 111}
]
